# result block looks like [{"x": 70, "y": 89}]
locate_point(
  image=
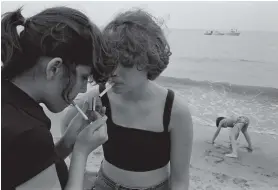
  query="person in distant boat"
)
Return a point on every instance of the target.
[{"x": 237, "y": 124}]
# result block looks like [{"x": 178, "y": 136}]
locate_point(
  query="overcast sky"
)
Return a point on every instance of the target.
[{"x": 258, "y": 16}]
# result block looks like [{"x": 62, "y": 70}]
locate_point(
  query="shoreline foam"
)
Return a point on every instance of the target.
[
  {"x": 208, "y": 100},
  {"x": 234, "y": 88}
]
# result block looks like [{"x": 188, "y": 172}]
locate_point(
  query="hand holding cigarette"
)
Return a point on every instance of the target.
[
  {"x": 91, "y": 114},
  {"x": 88, "y": 136},
  {"x": 81, "y": 121}
]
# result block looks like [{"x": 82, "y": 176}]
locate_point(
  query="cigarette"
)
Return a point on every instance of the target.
[
  {"x": 94, "y": 104},
  {"x": 80, "y": 111},
  {"x": 106, "y": 90}
]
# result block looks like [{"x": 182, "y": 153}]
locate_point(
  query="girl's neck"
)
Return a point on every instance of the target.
[
  {"x": 29, "y": 86},
  {"x": 143, "y": 92}
]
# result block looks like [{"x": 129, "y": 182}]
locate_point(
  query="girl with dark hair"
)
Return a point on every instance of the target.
[
  {"x": 49, "y": 62},
  {"x": 149, "y": 127}
]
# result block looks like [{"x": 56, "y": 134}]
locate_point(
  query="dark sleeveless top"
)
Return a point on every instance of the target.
[{"x": 134, "y": 149}]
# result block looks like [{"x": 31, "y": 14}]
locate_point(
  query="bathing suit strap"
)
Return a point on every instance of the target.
[{"x": 168, "y": 109}]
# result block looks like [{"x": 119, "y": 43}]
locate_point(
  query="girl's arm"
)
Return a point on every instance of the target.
[{"x": 181, "y": 145}]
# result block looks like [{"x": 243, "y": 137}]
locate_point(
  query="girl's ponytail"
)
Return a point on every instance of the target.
[{"x": 9, "y": 35}]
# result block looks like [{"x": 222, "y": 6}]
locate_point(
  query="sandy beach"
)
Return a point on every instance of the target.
[
  {"x": 210, "y": 169},
  {"x": 214, "y": 74}
]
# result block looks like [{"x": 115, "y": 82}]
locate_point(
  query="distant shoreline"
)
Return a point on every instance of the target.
[
  {"x": 220, "y": 29},
  {"x": 247, "y": 89}
]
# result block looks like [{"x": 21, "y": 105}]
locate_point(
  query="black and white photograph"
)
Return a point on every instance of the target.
[{"x": 139, "y": 95}]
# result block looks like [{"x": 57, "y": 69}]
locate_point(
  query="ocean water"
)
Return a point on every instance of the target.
[
  {"x": 227, "y": 75},
  {"x": 248, "y": 59},
  {"x": 209, "y": 100}
]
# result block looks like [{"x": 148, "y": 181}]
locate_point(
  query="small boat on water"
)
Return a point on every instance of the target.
[
  {"x": 217, "y": 33},
  {"x": 209, "y": 32},
  {"x": 233, "y": 32}
]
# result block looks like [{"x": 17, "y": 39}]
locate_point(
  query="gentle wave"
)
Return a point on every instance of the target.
[
  {"x": 224, "y": 86},
  {"x": 209, "y": 100}
]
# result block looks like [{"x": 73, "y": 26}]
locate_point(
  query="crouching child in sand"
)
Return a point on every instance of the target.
[{"x": 236, "y": 124}]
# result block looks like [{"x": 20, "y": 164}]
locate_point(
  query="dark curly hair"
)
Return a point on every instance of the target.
[
  {"x": 55, "y": 32},
  {"x": 137, "y": 39},
  {"x": 218, "y": 120}
]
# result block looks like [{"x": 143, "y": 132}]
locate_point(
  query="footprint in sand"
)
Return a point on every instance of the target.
[
  {"x": 195, "y": 178},
  {"x": 213, "y": 157},
  {"x": 240, "y": 182},
  {"x": 210, "y": 187},
  {"x": 272, "y": 175},
  {"x": 221, "y": 177}
]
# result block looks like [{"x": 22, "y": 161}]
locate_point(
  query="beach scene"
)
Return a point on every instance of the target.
[
  {"x": 219, "y": 75},
  {"x": 246, "y": 86}
]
